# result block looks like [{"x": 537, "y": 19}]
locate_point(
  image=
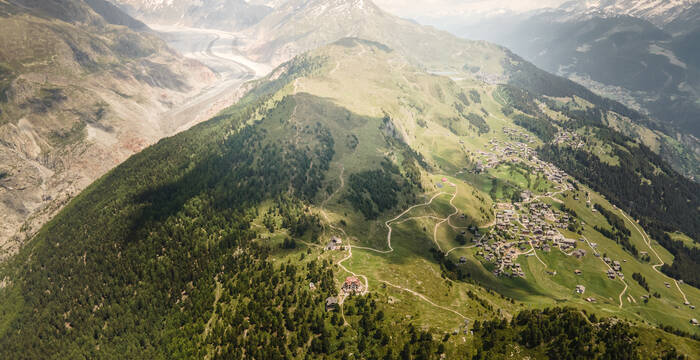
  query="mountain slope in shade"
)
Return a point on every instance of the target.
[
  {"x": 228, "y": 15},
  {"x": 81, "y": 88}
]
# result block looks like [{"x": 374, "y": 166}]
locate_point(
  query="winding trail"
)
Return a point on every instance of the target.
[
  {"x": 388, "y": 222},
  {"x": 342, "y": 185},
  {"x": 323, "y": 204},
  {"x": 646, "y": 239},
  {"x": 340, "y": 264},
  {"x": 459, "y": 247},
  {"x": 447, "y": 219},
  {"x": 537, "y": 256},
  {"x": 421, "y": 296},
  {"x": 390, "y": 248}
]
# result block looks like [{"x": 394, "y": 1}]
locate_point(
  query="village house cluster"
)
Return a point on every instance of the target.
[
  {"x": 535, "y": 226},
  {"x": 568, "y": 138},
  {"x": 518, "y": 135},
  {"x": 615, "y": 268},
  {"x": 504, "y": 152},
  {"x": 504, "y": 255}
]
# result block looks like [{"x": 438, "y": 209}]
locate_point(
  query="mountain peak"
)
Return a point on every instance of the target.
[{"x": 324, "y": 7}]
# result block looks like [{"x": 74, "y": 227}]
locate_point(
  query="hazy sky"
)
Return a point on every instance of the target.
[{"x": 451, "y": 8}]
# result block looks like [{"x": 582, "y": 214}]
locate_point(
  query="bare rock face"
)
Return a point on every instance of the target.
[{"x": 79, "y": 93}]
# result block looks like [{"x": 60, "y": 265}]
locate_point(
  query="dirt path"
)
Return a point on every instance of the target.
[
  {"x": 337, "y": 65},
  {"x": 537, "y": 256},
  {"x": 422, "y": 297},
  {"x": 459, "y": 247},
  {"x": 447, "y": 219},
  {"x": 340, "y": 264},
  {"x": 388, "y": 222},
  {"x": 323, "y": 204},
  {"x": 388, "y": 225},
  {"x": 342, "y": 185},
  {"x": 656, "y": 267}
]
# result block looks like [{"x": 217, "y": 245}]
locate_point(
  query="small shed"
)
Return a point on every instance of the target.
[{"x": 331, "y": 303}]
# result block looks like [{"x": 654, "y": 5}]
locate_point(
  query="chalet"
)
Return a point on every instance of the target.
[
  {"x": 462, "y": 260},
  {"x": 590, "y": 299},
  {"x": 577, "y": 272},
  {"x": 579, "y": 253},
  {"x": 570, "y": 242},
  {"x": 611, "y": 273},
  {"x": 335, "y": 244},
  {"x": 331, "y": 303},
  {"x": 312, "y": 286},
  {"x": 694, "y": 322},
  {"x": 580, "y": 289},
  {"x": 352, "y": 285}
]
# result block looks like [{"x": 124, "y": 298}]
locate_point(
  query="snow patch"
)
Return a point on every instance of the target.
[
  {"x": 658, "y": 50},
  {"x": 584, "y": 48}
]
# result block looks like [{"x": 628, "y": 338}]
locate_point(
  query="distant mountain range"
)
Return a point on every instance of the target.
[
  {"x": 227, "y": 15},
  {"x": 670, "y": 15},
  {"x": 81, "y": 87},
  {"x": 645, "y": 54}
]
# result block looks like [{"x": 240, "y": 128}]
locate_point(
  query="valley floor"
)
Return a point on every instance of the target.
[{"x": 217, "y": 50}]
